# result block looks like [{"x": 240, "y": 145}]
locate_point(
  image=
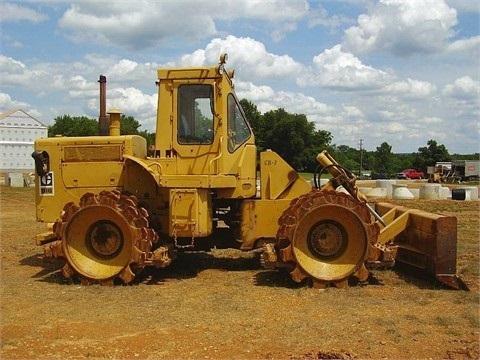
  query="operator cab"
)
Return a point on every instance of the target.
[
  {"x": 201, "y": 126},
  {"x": 195, "y": 123}
]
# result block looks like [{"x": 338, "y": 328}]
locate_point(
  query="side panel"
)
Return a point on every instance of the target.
[
  {"x": 259, "y": 219},
  {"x": 79, "y": 165},
  {"x": 278, "y": 179},
  {"x": 190, "y": 213},
  {"x": 472, "y": 168},
  {"x": 92, "y": 174},
  {"x": 243, "y": 165},
  {"x": 279, "y": 185}
]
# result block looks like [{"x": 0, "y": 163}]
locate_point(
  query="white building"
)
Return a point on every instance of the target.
[{"x": 18, "y": 130}]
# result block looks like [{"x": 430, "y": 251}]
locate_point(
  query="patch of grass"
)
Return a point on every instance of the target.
[
  {"x": 395, "y": 334},
  {"x": 472, "y": 317},
  {"x": 382, "y": 322},
  {"x": 411, "y": 317},
  {"x": 389, "y": 276},
  {"x": 309, "y": 176},
  {"x": 417, "y": 332},
  {"x": 443, "y": 321},
  {"x": 466, "y": 297},
  {"x": 423, "y": 301}
]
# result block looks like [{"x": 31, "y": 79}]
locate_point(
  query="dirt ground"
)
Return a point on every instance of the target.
[{"x": 207, "y": 306}]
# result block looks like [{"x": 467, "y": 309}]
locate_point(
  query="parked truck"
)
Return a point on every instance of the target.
[
  {"x": 464, "y": 170},
  {"x": 115, "y": 207},
  {"x": 410, "y": 174}
]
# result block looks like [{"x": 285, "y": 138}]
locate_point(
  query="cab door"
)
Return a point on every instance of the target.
[{"x": 195, "y": 127}]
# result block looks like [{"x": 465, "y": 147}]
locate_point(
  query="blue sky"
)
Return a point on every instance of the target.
[{"x": 395, "y": 71}]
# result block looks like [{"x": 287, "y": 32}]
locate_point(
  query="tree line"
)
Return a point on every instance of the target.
[
  {"x": 294, "y": 138},
  {"x": 297, "y": 141},
  {"x": 67, "y": 125}
]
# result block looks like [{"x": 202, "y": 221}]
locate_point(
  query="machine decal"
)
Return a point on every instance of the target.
[{"x": 46, "y": 185}]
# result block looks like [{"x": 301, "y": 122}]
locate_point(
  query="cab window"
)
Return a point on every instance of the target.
[
  {"x": 238, "y": 129},
  {"x": 195, "y": 115}
]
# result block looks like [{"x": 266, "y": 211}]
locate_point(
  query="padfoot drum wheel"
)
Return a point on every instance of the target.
[
  {"x": 105, "y": 238},
  {"x": 327, "y": 236}
]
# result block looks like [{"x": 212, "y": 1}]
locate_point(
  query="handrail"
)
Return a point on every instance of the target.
[{"x": 220, "y": 154}]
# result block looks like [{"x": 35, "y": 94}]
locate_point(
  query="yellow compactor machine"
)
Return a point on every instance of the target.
[{"x": 117, "y": 207}]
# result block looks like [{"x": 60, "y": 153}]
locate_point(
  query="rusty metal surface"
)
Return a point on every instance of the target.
[
  {"x": 428, "y": 245},
  {"x": 103, "y": 118}
]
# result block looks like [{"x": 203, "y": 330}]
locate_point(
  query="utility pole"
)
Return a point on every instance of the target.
[{"x": 360, "y": 143}]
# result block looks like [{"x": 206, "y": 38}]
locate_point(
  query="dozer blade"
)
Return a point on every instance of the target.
[{"x": 427, "y": 242}]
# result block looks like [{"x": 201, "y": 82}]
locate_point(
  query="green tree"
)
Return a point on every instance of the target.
[
  {"x": 128, "y": 125},
  {"x": 383, "y": 158},
  {"x": 255, "y": 119},
  {"x": 254, "y": 116},
  {"x": 67, "y": 125},
  {"x": 284, "y": 136},
  {"x": 150, "y": 137},
  {"x": 347, "y": 156},
  {"x": 321, "y": 140},
  {"x": 293, "y": 137},
  {"x": 429, "y": 155},
  {"x": 368, "y": 160}
]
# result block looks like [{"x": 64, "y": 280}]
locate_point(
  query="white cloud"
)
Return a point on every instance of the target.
[
  {"x": 7, "y": 103},
  {"x": 394, "y": 127},
  {"x": 75, "y": 88},
  {"x": 130, "y": 101},
  {"x": 464, "y": 5},
  {"x": 124, "y": 66},
  {"x": 81, "y": 88},
  {"x": 462, "y": 97},
  {"x": 275, "y": 10},
  {"x": 403, "y": 27},
  {"x": 320, "y": 17},
  {"x": 249, "y": 57},
  {"x": 432, "y": 120},
  {"x": 267, "y": 99},
  {"x": 13, "y": 13},
  {"x": 463, "y": 88},
  {"x": 16, "y": 73},
  {"x": 350, "y": 111},
  {"x": 411, "y": 89},
  {"x": 10, "y": 65},
  {"x": 134, "y": 25},
  {"x": 255, "y": 93},
  {"x": 337, "y": 69},
  {"x": 470, "y": 46}
]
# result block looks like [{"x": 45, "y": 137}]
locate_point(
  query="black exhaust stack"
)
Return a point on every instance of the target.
[{"x": 103, "y": 118}]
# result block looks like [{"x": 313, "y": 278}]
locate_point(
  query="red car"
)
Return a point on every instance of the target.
[{"x": 410, "y": 174}]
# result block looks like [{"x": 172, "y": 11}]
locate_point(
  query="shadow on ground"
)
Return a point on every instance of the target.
[{"x": 189, "y": 264}]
